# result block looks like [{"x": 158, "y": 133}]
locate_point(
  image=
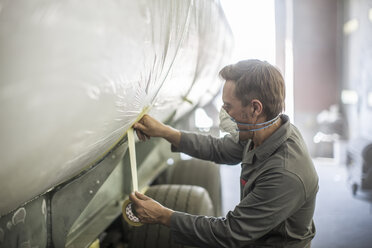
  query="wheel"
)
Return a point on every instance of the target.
[
  {"x": 202, "y": 173},
  {"x": 185, "y": 198}
]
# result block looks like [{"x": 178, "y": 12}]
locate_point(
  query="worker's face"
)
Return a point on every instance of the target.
[{"x": 235, "y": 109}]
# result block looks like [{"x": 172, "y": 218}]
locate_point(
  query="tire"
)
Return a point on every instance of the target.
[
  {"x": 184, "y": 198},
  {"x": 201, "y": 173}
]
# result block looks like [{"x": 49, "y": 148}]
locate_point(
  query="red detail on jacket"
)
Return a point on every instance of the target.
[{"x": 243, "y": 182}]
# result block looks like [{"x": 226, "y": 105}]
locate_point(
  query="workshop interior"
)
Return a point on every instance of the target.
[{"x": 76, "y": 75}]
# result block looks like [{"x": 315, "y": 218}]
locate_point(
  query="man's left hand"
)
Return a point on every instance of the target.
[{"x": 149, "y": 210}]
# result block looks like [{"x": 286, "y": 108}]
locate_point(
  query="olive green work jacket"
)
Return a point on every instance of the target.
[{"x": 278, "y": 191}]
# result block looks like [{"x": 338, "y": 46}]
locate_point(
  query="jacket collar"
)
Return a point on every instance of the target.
[{"x": 270, "y": 145}]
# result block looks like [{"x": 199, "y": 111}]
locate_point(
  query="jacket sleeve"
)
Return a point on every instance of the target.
[
  {"x": 219, "y": 150},
  {"x": 275, "y": 197}
]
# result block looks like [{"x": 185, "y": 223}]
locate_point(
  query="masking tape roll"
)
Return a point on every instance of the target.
[
  {"x": 127, "y": 210},
  {"x": 128, "y": 214}
]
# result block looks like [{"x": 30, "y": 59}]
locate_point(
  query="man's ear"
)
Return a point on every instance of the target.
[{"x": 257, "y": 108}]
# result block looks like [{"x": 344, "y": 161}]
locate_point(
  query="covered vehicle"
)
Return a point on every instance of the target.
[{"x": 74, "y": 77}]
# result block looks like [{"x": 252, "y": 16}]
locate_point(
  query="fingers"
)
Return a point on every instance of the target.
[
  {"x": 141, "y": 123},
  {"x": 139, "y": 127},
  {"x": 134, "y": 199},
  {"x": 148, "y": 127},
  {"x": 138, "y": 208},
  {"x": 149, "y": 210},
  {"x": 137, "y": 197},
  {"x": 141, "y": 136},
  {"x": 141, "y": 196}
]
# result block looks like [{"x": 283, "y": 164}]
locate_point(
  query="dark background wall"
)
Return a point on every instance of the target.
[
  {"x": 313, "y": 26},
  {"x": 315, "y": 65},
  {"x": 327, "y": 59},
  {"x": 314, "y": 50}
]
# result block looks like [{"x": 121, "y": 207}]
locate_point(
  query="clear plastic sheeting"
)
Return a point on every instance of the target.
[{"x": 75, "y": 75}]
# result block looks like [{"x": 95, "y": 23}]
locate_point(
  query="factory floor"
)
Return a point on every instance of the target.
[{"x": 342, "y": 221}]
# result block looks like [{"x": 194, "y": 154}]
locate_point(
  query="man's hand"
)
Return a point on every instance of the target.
[
  {"x": 149, "y": 210},
  {"x": 149, "y": 127}
]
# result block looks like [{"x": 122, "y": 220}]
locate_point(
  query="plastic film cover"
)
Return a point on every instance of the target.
[{"x": 75, "y": 75}]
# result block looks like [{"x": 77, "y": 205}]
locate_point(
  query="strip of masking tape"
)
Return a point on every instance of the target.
[
  {"x": 95, "y": 244},
  {"x": 132, "y": 150},
  {"x": 133, "y": 161},
  {"x": 127, "y": 210}
]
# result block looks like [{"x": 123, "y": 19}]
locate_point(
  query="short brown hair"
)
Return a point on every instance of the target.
[{"x": 255, "y": 79}]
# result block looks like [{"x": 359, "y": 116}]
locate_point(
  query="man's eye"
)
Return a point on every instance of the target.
[{"x": 226, "y": 108}]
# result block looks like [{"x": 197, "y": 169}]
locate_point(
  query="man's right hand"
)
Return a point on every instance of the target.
[{"x": 149, "y": 127}]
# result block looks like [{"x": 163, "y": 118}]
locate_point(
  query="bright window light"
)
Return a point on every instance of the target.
[
  {"x": 170, "y": 161},
  {"x": 184, "y": 156},
  {"x": 349, "y": 97},
  {"x": 351, "y": 26},
  {"x": 369, "y": 99},
  {"x": 202, "y": 120},
  {"x": 253, "y": 25}
]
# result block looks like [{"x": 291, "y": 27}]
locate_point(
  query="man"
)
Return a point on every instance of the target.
[{"x": 278, "y": 180}]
